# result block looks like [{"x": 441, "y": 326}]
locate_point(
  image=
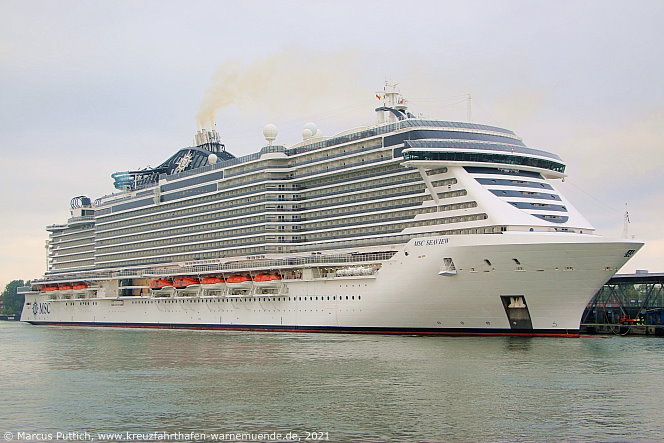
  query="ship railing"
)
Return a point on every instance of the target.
[
  {"x": 363, "y": 211},
  {"x": 368, "y": 176},
  {"x": 194, "y": 231},
  {"x": 277, "y": 226},
  {"x": 257, "y": 168},
  {"x": 219, "y": 165},
  {"x": 81, "y": 218},
  {"x": 272, "y": 199},
  {"x": 402, "y": 124},
  {"x": 418, "y": 179},
  {"x": 371, "y": 198},
  {"x": 56, "y": 226},
  {"x": 342, "y": 154},
  {"x": 379, "y": 240},
  {"x": 112, "y": 201},
  {"x": 250, "y": 182},
  {"x": 293, "y": 190},
  {"x": 354, "y": 136},
  {"x": 276, "y": 263},
  {"x": 350, "y": 165}
]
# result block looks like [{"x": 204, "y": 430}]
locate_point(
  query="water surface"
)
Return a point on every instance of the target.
[{"x": 353, "y": 387}]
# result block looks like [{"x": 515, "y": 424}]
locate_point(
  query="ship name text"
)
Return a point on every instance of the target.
[{"x": 432, "y": 242}]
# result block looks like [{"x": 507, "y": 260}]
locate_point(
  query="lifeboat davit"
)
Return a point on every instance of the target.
[
  {"x": 160, "y": 283},
  {"x": 183, "y": 282},
  {"x": 239, "y": 281},
  {"x": 267, "y": 280}
]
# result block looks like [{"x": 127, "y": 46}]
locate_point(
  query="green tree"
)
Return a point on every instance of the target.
[{"x": 13, "y": 302}]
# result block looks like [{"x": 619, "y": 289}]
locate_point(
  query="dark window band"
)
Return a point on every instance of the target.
[{"x": 486, "y": 158}]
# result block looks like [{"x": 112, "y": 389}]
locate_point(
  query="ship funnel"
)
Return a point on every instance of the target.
[{"x": 208, "y": 139}]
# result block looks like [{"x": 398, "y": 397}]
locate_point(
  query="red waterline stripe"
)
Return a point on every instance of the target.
[{"x": 331, "y": 331}]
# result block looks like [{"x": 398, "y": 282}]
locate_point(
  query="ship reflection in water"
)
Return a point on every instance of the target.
[{"x": 354, "y": 387}]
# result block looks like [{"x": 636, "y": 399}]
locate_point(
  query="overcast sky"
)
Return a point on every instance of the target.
[{"x": 97, "y": 86}]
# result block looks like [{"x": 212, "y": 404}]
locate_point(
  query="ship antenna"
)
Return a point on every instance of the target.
[
  {"x": 469, "y": 107},
  {"x": 626, "y": 223}
]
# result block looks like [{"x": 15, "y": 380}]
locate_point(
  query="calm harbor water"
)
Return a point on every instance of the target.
[{"x": 351, "y": 387}]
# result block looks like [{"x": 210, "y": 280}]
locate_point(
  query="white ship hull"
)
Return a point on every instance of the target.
[
  {"x": 407, "y": 226},
  {"x": 502, "y": 284}
]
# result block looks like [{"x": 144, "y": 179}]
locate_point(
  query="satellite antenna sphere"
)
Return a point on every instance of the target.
[
  {"x": 312, "y": 127},
  {"x": 270, "y": 133},
  {"x": 212, "y": 159},
  {"x": 307, "y": 134}
]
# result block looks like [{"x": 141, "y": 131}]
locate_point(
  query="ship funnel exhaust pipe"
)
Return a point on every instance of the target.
[{"x": 209, "y": 139}]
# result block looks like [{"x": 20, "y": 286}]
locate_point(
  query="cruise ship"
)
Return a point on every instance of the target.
[{"x": 407, "y": 226}]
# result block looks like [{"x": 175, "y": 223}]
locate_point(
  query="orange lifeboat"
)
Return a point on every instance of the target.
[
  {"x": 266, "y": 280},
  {"x": 183, "y": 282},
  {"x": 65, "y": 287},
  {"x": 79, "y": 286},
  {"x": 238, "y": 281},
  {"x": 160, "y": 283},
  {"x": 211, "y": 280},
  {"x": 49, "y": 288},
  {"x": 267, "y": 277}
]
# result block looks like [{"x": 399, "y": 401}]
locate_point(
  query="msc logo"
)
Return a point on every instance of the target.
[
  {"x": 41, "y": 308},
  {"x": 630, "y": 252}
]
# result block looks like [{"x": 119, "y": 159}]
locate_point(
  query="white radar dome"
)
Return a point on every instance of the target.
[
  {"x": 312, "y": 127},
  {"x": 212, "y": 159},
  {"x": 307, "y": 134},
  {"x": 270, "y": 132}
]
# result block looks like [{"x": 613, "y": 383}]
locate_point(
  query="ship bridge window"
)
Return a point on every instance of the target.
[
  {"x": 552, "y": 218},
  {"x": 485, "y": 158},
  {"x": 525, "y": 194}
]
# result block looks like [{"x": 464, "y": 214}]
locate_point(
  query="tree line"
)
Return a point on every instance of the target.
[{"x": 13, "y": 302}]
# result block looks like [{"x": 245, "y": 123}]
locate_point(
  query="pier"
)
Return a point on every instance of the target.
[{"x": 627, "y": 304}]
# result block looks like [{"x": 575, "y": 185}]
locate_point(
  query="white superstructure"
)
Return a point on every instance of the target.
[{"x": 411, "y": 225}]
